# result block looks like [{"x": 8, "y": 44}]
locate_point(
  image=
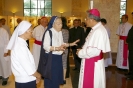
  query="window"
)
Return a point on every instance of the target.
[
  {"x": 37, "y": 7},
  {"x": 123, "y": 6}
]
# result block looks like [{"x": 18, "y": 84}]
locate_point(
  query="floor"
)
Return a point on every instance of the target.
[
  {"x": 114, "y": 77},
  {"x": 39, "y": 85}
]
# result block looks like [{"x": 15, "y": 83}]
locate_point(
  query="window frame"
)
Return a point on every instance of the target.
[
  {"x": 123, "y": 9},
  {"x": 38, "y": 8}
]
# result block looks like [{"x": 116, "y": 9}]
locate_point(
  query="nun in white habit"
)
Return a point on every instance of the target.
[{"x": 22, "y": 61}]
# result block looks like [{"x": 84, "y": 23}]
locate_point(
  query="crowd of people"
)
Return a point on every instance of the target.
[{"x": 54, "y": 40}]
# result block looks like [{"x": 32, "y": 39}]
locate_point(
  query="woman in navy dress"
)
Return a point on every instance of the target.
[{"x": 54, "y": 48}]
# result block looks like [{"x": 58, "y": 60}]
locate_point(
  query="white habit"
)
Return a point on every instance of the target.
[
  {"x": 122, "y": 31},
  {"x": 5, "y": 62},
  {"x": 108, "y": 59},
  {"x": 22, "y": 61},
  {"x": 92, "y": 71},
  {"x": 37, "y": 34},
  {"x": 7, "y": 29},
  {"x": 23, "y": 66}
]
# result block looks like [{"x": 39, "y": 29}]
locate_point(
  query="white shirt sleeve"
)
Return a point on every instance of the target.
[
  {"x": 25, "y": 61},
  {"x": 88, "y": 52},
  {"x": 46, "y": 43}
]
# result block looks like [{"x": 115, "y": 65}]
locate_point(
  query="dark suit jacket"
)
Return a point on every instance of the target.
[
  {"x": 77, "y": 33},
  {"x": 130, "y": 39},
  {"x": 88, "y": 29},
  {"x": 15, "y": 28}
]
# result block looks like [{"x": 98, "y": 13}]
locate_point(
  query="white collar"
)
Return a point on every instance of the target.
[
  {"x": 55, "y": 30},
  {"x": 97, "y": 25}
]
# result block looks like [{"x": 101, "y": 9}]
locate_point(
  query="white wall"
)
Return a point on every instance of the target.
[
  {"x": 61, "y": 6},
  {"x": 130, "y": 10},
  {"x": 65, "y": 6},
  {"x": 110, "y": 11},
  {"x": 13, "y": 6},
  {"x": 58, "y": 6}
]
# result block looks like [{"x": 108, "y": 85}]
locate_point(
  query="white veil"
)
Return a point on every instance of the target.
[{"x": 20, "y": 29}]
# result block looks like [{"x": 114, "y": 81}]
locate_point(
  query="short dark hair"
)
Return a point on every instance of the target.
[
  {"x": 3, "y": 19},
  {"x": 126, "y": 16},
  {"x": 96, "y": 18},
  {"x": 79, "y": 20},
  {"x": 64, "y": 23},
  {"x": 64, "y": 20},
  {"x": 0, "y": 19},
  {"x": 104, "y": 20},
  {"x": 75, "y": 20}
]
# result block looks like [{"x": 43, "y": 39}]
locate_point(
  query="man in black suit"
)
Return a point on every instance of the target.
[
  {"x": 130, "y": 57},
  {"x": 86, "y": 29},
  {"x": 75, "y": 33},
  {"x": 18, "y": 21}
]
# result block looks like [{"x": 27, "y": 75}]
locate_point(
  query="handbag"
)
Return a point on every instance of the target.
[{"x": 45, "y": 62}]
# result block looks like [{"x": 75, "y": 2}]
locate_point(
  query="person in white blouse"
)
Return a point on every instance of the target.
[
  {"x": 5, "y": 63},
  {"x": 22, "y": 61},
  {"x": 108, "y": 56},
  {"x": 6, "y": 26},
  {"x": 57, "y": 48},
  {"x": 37, "y": 35}
]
